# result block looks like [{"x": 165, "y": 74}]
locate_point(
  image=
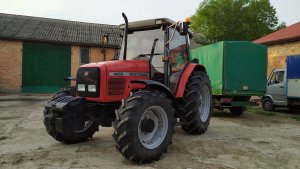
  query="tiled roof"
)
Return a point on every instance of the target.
[
  {"x": 36, "y": 29},
  {"x": 288, "y": 34}
]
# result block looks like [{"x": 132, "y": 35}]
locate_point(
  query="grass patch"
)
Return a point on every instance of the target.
[
  {"x": 260, "y": 111},
  {"x": 266, "y": 113},
  {"x": 296, "y": 117}
]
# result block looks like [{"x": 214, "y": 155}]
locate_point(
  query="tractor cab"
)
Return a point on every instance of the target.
[{"x": 163, "y": 43}]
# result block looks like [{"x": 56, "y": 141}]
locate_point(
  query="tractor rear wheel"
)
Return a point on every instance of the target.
[
  {"x": 197, "y": 103},
  {"x": 144, "y": 126}
]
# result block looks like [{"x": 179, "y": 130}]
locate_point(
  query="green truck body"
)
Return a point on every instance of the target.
[{"x": 237, "y": 69}]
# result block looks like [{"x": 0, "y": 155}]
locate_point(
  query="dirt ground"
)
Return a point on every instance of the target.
[{"x": 255, "y": 140}]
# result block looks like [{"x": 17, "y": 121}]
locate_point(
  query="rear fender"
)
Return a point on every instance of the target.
[{"x": 185, "y": 77}]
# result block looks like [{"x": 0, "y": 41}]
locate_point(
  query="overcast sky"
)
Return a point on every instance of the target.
[{"x": 109, "y": 11}]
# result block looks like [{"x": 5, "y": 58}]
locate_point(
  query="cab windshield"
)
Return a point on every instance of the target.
[{"x": 139, "y": 44}]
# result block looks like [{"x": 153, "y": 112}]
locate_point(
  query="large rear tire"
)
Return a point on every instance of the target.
[
  {"x": 144, "y": 126},
  {"x": 197, "y": 104}
]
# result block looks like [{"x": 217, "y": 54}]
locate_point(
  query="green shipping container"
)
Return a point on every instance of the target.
[{"x": 235, "y": 68}]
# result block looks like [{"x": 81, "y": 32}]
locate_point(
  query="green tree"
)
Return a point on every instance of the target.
[{"x": 248, "y": 20}]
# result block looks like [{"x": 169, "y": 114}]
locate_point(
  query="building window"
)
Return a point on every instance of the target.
[{"x": 84, "y": 55}]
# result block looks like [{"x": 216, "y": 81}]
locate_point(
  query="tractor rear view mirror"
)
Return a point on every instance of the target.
[{"x": 184, "y": 27}]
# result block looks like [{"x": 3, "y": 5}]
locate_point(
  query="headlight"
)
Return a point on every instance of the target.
[
  {"x": 81, "y": 87},
  {"x": 92, "y": 88}
]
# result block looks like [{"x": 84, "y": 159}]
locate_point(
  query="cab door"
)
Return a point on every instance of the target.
[
  {"x": 179, "y": 57},
  {"x": 276, "y": 87}
]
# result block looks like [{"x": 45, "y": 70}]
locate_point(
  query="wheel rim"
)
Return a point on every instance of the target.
[
  {"x": 267, "y": 105},
  {"x": 205, "y": 103},
  {"x": 86, "y": 126},
  {"x": 153, "y": 139}
]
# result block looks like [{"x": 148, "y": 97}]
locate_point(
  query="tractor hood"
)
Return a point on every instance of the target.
[
  {"x": 114, "y": 79},
  {"x": 121, "y": 66}
]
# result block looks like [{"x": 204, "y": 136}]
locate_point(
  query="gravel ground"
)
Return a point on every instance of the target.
[{"x": 255, "y": 140}]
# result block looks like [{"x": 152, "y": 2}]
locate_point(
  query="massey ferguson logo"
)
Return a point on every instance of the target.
[
  {"x": 86, "y": 73},
  {"x": 128, "y": 74},
  {"x": 117, "y": 73}
]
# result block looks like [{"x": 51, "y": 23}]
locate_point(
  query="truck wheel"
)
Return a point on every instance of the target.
[
  {"x": 197, "y": 104},
  {"x": 267, "y": 104},
  {"x": 236, "y": 111},
  {"x": 144, "y": 126}
]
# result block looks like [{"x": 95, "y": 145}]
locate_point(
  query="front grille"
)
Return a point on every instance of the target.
[
  {"x": 88, "y": 76},
  {"x": 116, "y": 86}
]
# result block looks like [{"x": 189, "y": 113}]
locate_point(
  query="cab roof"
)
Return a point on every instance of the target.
[{"x": 148, "y": 24}]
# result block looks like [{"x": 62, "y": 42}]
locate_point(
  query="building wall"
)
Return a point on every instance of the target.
[
  {"x": 96, "y": 55},
  {"x": 11, "y": 63},
  {"x": 10, "y": 66},
  {"x": 75, "y": 61},
  {"x": 277, "y": 54}
]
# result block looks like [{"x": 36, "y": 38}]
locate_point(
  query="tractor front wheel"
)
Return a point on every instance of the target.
[
  {"x": 144, "y": 126},
  {"x": 66, "y": 121},
  {"x": 74, "y": 129},
  {"x": 67, "y": 91}
]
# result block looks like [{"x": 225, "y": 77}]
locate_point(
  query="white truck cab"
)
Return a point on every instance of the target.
[{"x": 283, "y": 87}]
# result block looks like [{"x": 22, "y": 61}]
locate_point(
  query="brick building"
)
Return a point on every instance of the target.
[
  {"x": 37, "y": 53},
  {"x": 281, "y": 44}
]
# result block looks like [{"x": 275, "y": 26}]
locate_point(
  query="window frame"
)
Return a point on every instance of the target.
[
  {"x": 81, "y": 54},
  {"x": 275, "y": 75}
]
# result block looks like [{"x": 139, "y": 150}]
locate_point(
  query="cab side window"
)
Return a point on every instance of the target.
[
  {"x": 277, "y": 77},
  {"x": 178, "y": 51}
]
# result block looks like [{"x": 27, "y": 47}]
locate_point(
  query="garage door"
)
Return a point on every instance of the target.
[{"x": 44, "y": 67}]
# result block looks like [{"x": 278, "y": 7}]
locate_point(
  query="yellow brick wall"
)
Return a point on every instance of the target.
[
  {"x": 75, "y": 61},
  {"x": 96, "y": 55},
  {"x": 11, "y": 63},
  {"x": 277, "y": 54},
  {"x": 10, "y": 66}
]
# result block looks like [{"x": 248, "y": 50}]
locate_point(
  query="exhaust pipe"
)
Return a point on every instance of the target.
[{"x": 125, "y": 35}]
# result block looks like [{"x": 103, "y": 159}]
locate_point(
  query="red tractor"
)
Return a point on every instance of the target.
[{"x": 143, "y": 93}]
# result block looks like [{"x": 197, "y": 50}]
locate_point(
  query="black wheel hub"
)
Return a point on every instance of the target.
[{"x": 147, "y": 125}]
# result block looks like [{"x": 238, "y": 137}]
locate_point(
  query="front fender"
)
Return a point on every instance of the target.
[
  {"x": 267, "y": 95},
  {"x": 151, "y": 84}
]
